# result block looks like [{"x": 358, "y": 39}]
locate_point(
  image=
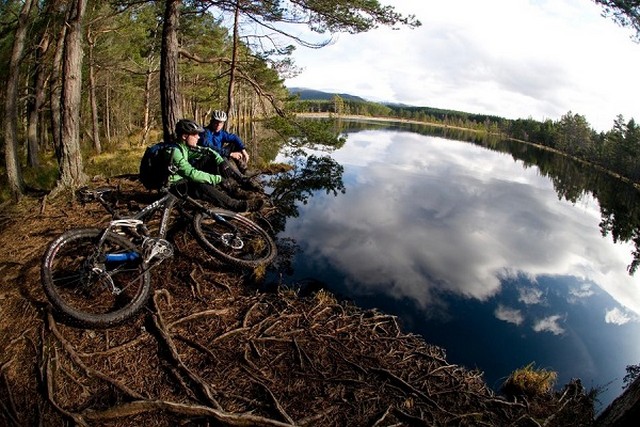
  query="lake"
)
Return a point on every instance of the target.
[{"x": 499, "y": 252}]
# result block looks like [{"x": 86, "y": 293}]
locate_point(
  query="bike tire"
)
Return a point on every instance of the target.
[
  {"x": 251, "y": 247},
  {"x": 84, "y": 294}
]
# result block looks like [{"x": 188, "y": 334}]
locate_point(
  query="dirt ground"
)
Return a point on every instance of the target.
[{"x": 213, "y": 348}]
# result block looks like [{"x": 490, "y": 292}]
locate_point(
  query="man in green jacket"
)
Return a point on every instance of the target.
[{"x": 201, "y": 170}]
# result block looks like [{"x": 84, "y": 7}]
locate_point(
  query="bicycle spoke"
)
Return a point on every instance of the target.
[
  {"x": 235, "y": 239},
  {"x": 82, "y": 285}
]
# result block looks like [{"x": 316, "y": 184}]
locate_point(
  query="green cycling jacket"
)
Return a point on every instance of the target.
[{"x": 182, "y": 158}]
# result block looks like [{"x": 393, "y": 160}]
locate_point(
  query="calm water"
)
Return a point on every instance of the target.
[{"x": 476, "y": 250}]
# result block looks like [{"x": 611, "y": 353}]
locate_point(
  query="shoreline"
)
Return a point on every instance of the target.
[{"x": 616, "y": 175}]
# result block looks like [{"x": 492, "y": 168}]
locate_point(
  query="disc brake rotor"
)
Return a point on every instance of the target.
[{"x": 232, "y": 241}]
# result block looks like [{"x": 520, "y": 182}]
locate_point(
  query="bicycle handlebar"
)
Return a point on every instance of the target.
[{"x": 86, "y": 194}]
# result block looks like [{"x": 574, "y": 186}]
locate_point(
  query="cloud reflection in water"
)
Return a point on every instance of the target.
[
  {"x": 424, "y": 217},
  {"x": 470, "y": 248}
]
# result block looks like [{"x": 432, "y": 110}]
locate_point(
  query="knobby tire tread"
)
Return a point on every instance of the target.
[
  {"x": 218, "y": 250},
  {"x": 84, "y": 318}
]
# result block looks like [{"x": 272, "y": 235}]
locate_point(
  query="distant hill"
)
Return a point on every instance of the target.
[
  {"x": 397, "y": 104},
  {"x": 438, "y": 113},
  {"x": 311, "y": 94}
]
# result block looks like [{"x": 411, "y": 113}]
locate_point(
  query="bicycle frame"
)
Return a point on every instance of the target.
[
  {"x": 101, "y": 276},
  {"x": 154, "y": 247}
]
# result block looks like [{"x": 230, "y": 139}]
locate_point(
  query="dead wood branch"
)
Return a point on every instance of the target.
[
  {"x": 145, "y": 406},
  {"x": 195, "y": 316},
  {"x": 203, "y": 388},
  {"x": 91, "y": 372}
]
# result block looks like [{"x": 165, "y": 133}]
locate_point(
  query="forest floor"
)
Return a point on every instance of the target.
[{"x": 213, "y": 348}]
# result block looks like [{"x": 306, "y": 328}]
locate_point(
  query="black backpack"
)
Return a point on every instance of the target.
[{"x": 155, "y": 165}]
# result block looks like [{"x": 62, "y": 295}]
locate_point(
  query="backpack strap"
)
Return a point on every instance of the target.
[{"x": 171, "y": 146}]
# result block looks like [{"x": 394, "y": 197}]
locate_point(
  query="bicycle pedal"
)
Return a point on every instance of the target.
[{"x": 159, "y": 249}]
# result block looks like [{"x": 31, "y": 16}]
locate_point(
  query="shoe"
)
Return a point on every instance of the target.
[
  {"x": 229, "y": 185},
  {"x": 252, "y": 185},
  {"x": 233, "y": 189},
  {"x": 254, "y": 205},
  {"x": 243, "y": 194}
]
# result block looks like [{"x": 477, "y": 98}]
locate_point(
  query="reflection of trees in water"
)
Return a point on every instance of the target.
[
  {"x": 619, "y": 201},
  {"x": 308, "y": 174},
  {"x": 620, "y": 211},
  {"x": 457, "y": 134}
]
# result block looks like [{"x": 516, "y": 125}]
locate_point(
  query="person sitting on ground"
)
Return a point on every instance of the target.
[
  {"x": 230, "y": 147},
  {"x": 227, "y": 144},
  {"x": 202, "y": 170}
]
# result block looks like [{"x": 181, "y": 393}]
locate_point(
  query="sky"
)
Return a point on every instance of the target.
[{"x": 534, "y": 59}]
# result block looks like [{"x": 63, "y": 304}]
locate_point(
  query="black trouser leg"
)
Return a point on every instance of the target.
[
  {"x": 219, "y": 198},
  {"x": 209, "y": 165},
  {"x": 229, "y": 170},
  {"x": 241, "y": 166}
]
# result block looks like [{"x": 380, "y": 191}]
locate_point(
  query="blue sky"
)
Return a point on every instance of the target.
[{"x": 511, "y": 58}]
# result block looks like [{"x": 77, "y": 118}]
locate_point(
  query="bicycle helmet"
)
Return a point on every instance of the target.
[
  {"x": 219, "y": 116},
  {"x": 190, "y": 127}
]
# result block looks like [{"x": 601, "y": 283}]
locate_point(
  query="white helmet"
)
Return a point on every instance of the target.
[{"x": 219, "y": 116}]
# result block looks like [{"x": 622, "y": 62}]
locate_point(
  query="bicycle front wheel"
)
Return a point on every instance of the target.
[
  {"x": 97, "y": 285},
  {"x": 234, "y": 238}
]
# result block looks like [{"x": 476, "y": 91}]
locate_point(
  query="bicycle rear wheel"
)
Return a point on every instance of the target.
[
  {"x": 234, "y": 238},
  {"x": 96, "y": 285}
]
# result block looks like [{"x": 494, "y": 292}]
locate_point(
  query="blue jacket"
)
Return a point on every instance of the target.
[{"x": 223, "y": 142}]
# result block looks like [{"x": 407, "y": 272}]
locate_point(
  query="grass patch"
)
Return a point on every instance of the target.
[
  {"x": 120, "y": 161},
  {"x": 43, "y": 177},
  {"x": 117, "y": 160},
  {"x": 529, "y": 381}
]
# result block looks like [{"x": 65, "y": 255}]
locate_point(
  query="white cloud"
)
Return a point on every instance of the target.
[
  {"x": 583, "y": 291},
  {"x": 549, "y": 324},
  {"x": 580, "y": 293},
  {"x": 530, "y": 296},
  {"x": 515, "y": 59},
  {"x": 619, "y": 317},
  {"x": 400, "y": 230},
  {"x": 509, "y": 315}
]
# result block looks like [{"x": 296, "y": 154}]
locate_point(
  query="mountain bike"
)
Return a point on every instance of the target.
[{"x": 101, "y": 277}]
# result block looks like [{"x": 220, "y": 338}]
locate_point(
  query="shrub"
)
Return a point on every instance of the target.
[{"x": 529, "y": 382}]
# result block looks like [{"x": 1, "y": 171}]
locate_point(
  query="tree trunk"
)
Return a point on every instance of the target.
[
  {"x": 12, "y": 161},
  {"x": 71, "y": 169},
  {"x": 107, "y": 109},
  {"x": 147, "y": 106},
  {"x": 33, "y": 119},
  {"x": 169, "y": 90},
  {"x": 234, "y": 59},
  {"x": 92, "y": 98},
  {"x": 55, "y": 95}
]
